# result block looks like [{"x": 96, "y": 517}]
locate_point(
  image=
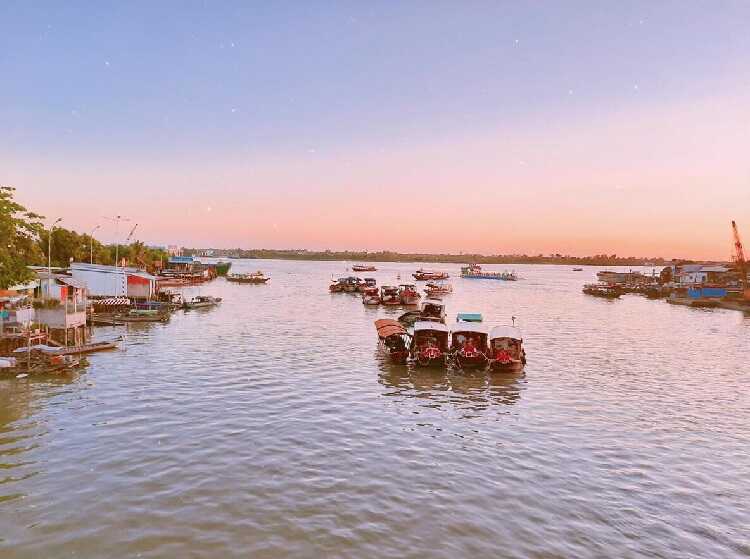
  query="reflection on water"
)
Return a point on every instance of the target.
[{"x": 270, "y": 427}]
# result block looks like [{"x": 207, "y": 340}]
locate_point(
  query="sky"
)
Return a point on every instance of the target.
[{"x": 429, "y": 126}]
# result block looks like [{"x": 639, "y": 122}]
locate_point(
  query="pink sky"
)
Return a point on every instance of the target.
[{"x": 644, "y": 181}]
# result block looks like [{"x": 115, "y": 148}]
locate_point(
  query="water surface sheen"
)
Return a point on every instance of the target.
[{"x": 271, "y": 427}]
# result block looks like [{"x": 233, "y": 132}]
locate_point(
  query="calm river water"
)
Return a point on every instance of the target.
[{"x": 271, "y": 427}]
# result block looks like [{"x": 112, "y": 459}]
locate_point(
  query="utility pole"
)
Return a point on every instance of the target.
[
  {"x": 49, "y": 255},
  {"x": 91, "y": 242}
]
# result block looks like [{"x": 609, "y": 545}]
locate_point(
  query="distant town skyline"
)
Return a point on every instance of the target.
[{"x": 577, "y": 128}]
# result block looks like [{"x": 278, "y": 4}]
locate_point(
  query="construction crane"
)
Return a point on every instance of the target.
[
  {"x": 739, "y": 257},
  {"x": 130, "y": 235}
]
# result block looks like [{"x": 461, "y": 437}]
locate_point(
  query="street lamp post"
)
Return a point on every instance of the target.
[
  {"x": 49, "y": 254},
  {"x": 91, "y": 242}
]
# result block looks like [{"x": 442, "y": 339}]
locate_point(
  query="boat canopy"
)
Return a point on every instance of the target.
[
  {"x": 424, "y": 325},
  {"x": 387, "y": 327},
  {"x": 473, "y": 327},
  {"x": 506, "y": 332},
  {"x": 469, "y": 317}
]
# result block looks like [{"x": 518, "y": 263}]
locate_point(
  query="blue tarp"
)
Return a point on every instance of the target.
[{"x": 707, "y": 292}]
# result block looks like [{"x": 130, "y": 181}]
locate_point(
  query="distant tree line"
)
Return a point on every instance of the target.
[
  {"x": 24, "y": 242},
  {"x": 389, "y": 256}
]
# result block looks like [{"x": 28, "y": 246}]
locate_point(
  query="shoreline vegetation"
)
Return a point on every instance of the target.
[{"x": 463, "y": 258}]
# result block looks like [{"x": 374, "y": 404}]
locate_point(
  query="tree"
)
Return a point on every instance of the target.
[{"x": 19, "y": 233}]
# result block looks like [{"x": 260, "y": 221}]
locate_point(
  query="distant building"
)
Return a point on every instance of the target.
[
  {"x": 114, "y": 281},
  {"x": 174, "y": 250},
  {"x": 698, "y": 274}
]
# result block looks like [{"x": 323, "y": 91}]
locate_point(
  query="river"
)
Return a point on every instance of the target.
[{"x": 271, "y": 427}]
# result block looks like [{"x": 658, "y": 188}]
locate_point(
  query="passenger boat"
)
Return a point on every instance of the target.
[
  {"x": 433, "y": 310},
  {"x": 469, "y": 343},
  {"x": 474, "y": 271},
  {"x": 256, "y": 278},
  {"x": 602, "y": 290},
  {"x": 393, "y": 339},
  {"x": 337, "y": 286},
  {"x": 365, "y": 283},
  {"x": 364, "y": 268},
  {"x": 438, "y": 289},
  {"x": 371, "y": 296},
  {"x": 352, "y": 284},
  {"x": 506, "y": 350},
  {"x": 429, "y": 275},
  {"x": 429, "y": 345},
  {"x": 389, "y": 295},
  {"x": 201, "y": 301},
  {"x": 408, "y": 294}
]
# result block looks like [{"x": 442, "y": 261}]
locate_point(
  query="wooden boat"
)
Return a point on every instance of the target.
[
  {"x": 86, "y": 348},
  {"x": 364, "y": 268},
  {"x": 36, "y": 362},
  {"x": 393, "y": 339},
  {"x": 506, "y": 350},
  {"x": 201, "y": 301},
  {"x": 352, "y": 284},
  {"x": 429, "y": 346},
  {"x": 474, "y": 271},
  {"x": 438, "y": 289},
  {"x": 254, "y": 278},
  {"x": 602, "y": 290},
  {"x": 469, "y": 344},
  {"x": 429, "y": 275},
  {"x": 578, "y": 269},
  {"x": 337, "y": 286},
  {"x": 142, "y": 316},
  {"x": 410, "y": 317},
  {"x": 408, "y": 294},
  {"x": 389, "y": 295},
  {"x": 433, "y": 310},
  {"x": 371, "y": 296}
]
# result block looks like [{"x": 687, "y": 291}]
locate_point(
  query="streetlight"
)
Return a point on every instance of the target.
[
  {"x": 117, "y": 219},
  {"x": 49, "y": 253},
  {"x": 91, "y": 242}
]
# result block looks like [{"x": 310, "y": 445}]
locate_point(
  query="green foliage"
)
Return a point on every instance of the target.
[{"x": 19, "y": 233}]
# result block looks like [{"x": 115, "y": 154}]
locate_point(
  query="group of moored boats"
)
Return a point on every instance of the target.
[
  {"x": 254, "y": 278},
  {"x": 468, "y": 344}
]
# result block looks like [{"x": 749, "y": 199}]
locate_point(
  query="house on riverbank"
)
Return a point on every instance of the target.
[{"x": 114, "y": 281}]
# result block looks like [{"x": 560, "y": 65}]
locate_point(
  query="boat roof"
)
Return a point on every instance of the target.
[
  {"x": 388, "y": 327},
  {"x": 469, "y": 327},
  {"x": 422, "y": 325},
  {"x": 506, "y": 332},
  {"x": 469, "y": 317}
]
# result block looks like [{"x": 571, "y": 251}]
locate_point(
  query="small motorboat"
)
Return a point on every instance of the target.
[
  {"x": 371, "y": 296},
  {"x": 337, "y": 286},
  {"x": 429, "y": 346},
  {"x": 438, "y": 289},
  {"x": 506, "y": 350},
  {"x": 469, "y": 343},
  {"x": 352, "y": 284},
  {"x": 364, "y": 268},
  {"x": 393, "y": 339},
  {"x": 603, "y": 290},
  {"x": 254, "y": 278},
  {"x": 578, "y": 269},
  {"x": 429, "y": 275},
  {"x": 141, "y": 315},
  {"x": 389, "y": 295},
  {"x": 408, "y": 294},
  {"x": 201, "y": 301}
]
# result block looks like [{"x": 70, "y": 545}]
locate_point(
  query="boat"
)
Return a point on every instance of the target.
[
  {"x": 433, "y": 310},
  {"x": 469, "y": 345},
  {"x": 506, "y": 350},
  {"x": 429, "y": 345},
  {"x": 389, "y": 295},
  {"x": 352, "y": 284},
  {"x": 371, "y": 296},
  {"x": 222, "y": 268},
  {"x": 140, "y": 315},
  {"x": 255, "y": 278},
  {"x": 408, "y": 294},
  {"x": 602, "y": 290},
  {"x": 578, "y": 269},
  {"x": 469, "y": 317},
  {"x": 393, "y": 339},
  {"x": 429, "y": 275},
  {"x": 410, "y": 317},
  {"x": 201, "y": 301},
  {"x": 337, "y": 286},
  {"x": 474, "y": 271},
  {"x": 364, "y": 268},
  {"x": 438, "y": 289}
]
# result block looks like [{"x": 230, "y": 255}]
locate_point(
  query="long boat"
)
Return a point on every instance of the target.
[
  {"x": 255, "y": 278},
  {"x": 393, "y": 339},
  {"x": 429, "y": 275},
  {"x": 474, "y": 271},
  {"x": 364, "y": 268}
]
